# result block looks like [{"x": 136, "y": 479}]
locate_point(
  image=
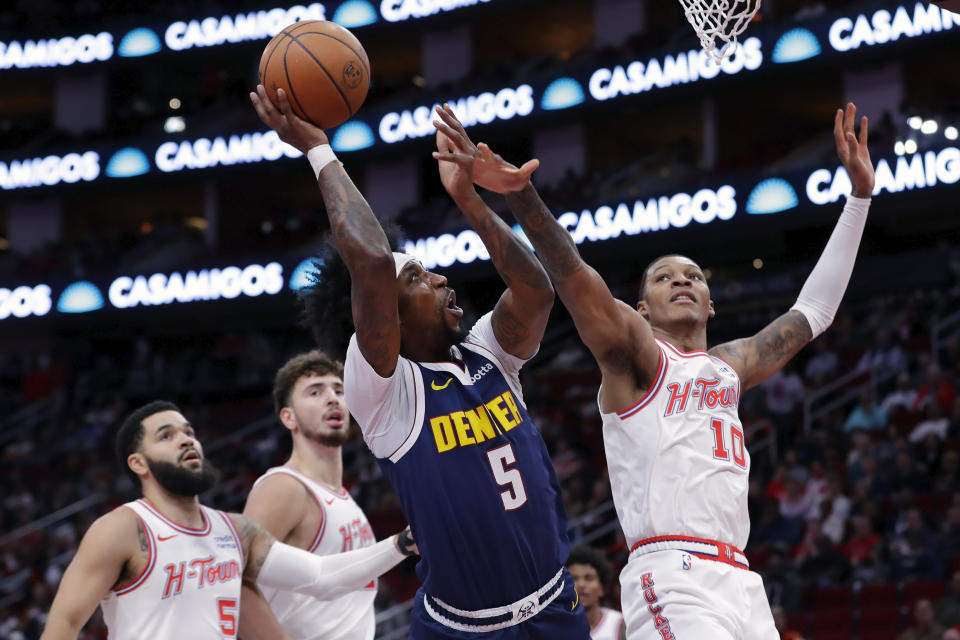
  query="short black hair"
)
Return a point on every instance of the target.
[
  {"x": 646, "y": 270},
  {"x": 593, "y": 558},
  {"x": 325, "y": 302},
  {"x": 130, "y": 433}
]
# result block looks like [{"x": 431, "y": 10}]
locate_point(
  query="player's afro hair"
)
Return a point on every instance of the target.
[{"x": 325, "y": 302}]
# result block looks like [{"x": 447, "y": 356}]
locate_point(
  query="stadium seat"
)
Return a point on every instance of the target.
[
  {"x": 917, "y": 589},
  {"x": 877, "y": 596}
]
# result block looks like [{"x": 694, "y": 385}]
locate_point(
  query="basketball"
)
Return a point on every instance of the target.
[{"x": 321, "y": 66}]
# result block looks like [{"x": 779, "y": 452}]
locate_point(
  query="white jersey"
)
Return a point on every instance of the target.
[
  {"x": 609, "y": 626},
  {"x": 677, "y": 458},
  {"x": 343, "y": 527},
  {"x": 190, "y": 587}
]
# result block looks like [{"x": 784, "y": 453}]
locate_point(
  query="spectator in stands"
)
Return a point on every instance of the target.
[
  {"x": 784, "y": 394},
  {"x": 936, "y": 388},
  {"x": 936, "y": 424},
  {"x": 822, "y": 365},
  {"x": 902, "y": 397},
  {"x": 924, "y": 626},
  {"x": 950, "y": 530},
  {"x": 867, "y": 415},
  {"x": 861, "y": 449},
  {"x": 914, "y": 552},
  {"x": 834, "y": 509},
  {"x": 945, "y": 482},
  {"x": 862, "y": 540},
  {"x": 947, "y": 608},
  {"x": 796, "y": 501},
  {"x": 885, "y": 356},
  {"x": 591, "y": 574},
  {"x": 824, "y": 567},
  {"x": 780, "y": 619},
  {"x": 908, "y": 474}
]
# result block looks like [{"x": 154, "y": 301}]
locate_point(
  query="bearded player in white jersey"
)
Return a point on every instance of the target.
[
  {"x": 303, "y": 503},
  {"x": 675, "y": 449},
  {"x": 165, "y": 566}
]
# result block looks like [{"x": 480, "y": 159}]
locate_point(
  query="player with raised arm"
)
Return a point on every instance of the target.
[
  {"x": 165, "y": 566},
  {"x": 443, "y": 411},
  {"x": 303, "y": 503},
  {"x": 675, "y": 448}
]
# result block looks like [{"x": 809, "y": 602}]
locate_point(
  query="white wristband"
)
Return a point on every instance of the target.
[{"x": 319, "y": 157}]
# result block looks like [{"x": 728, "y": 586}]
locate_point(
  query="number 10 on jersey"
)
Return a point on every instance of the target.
[
  {"x": 720, "y": 450},
  {"x": 516, "y": 494}
]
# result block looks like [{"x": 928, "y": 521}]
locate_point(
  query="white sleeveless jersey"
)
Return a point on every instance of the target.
[
  {"x": 344, "y": 527},
  {"x": 609, "y": 626},
  {"x": 677, "y": 458},
  {"x": 190, "y": 587}
]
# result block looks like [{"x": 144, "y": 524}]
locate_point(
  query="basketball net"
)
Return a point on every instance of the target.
[{"x": 718, "y": 23}]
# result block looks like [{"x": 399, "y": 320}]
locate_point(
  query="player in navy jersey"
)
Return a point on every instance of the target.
[{"x": 443, "y": 411}]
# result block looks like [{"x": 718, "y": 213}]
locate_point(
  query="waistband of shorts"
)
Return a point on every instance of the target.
[
  {"x": 495, "y": 618},
  {"x": 698, "y": 547}
]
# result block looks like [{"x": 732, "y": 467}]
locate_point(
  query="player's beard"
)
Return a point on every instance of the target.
[
  {"x": 331, "y": 439},
  {"x": 181, "y": 481}
]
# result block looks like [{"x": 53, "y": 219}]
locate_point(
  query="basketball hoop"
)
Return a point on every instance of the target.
[{"x": 718, "y": 23}]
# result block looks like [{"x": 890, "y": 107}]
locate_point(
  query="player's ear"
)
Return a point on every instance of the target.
[
  {"x": 642, "y": 308},
  {"x": 288, "y": 419},
  {"x": 137, "y": 463},
  {"x": 711, "y": 312}
]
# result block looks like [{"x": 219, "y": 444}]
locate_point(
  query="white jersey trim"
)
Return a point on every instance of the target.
[
  {"x": 419, "y": 407},
  {"x": 299, "y": 477},
  {"x": 202, "y": 531}
]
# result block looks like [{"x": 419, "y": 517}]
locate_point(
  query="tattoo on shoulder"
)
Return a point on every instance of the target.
[{"x": 142, "y": 537}]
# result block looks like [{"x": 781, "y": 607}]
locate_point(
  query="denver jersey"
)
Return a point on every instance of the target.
[
  {"x": 677, "y": 459},
  {"x": 190, "y": 587},
  {"x": 344, "y": 527},
  {"x": 472, "y": 473}
]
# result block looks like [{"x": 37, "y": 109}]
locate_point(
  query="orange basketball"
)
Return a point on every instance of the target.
[{"x": 321, "y": 66}]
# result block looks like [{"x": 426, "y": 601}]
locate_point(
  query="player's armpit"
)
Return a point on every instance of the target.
[
  {"x": 760, "y": 356},
  {"x": 108, "y": 545},
  {"x": 277, "y": 503}
]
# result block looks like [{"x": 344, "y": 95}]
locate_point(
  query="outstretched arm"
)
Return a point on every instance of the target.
[
  {"x": 278, "y": 565},
  {"x": 760, "y": 356},
  {"x": 521, "y": 314},
  {"x": 619, "y": 338},
  {"x": 358, "y": 235}
]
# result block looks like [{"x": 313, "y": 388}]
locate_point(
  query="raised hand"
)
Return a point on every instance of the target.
[
  {"x": 490, "y": 171},
  {"x": 854, "y": 153},
  {"x": 456, "y": 156},
  {"x": 293, "y": 130}
]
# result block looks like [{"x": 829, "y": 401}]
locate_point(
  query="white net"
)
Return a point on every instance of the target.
[{"x": 718, "y": 23}]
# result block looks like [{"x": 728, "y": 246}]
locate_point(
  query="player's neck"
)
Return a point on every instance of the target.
[
  {"x": 184, "y": 510},
  {"x": 683, "y": 339},
  {"x": 318, "y": 462},
  {"x": 594, "y": 614}
]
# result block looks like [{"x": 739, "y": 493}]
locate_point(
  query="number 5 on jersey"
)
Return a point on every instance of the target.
[{"x": 516, "y": 495}]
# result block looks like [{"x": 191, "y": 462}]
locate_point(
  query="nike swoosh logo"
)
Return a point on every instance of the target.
[
  {"x": 575, "y": 602},
  {"x": 161, "y": 538},
  {"x": 433, "y": 385},
  {"x": 330, "y": 501}
]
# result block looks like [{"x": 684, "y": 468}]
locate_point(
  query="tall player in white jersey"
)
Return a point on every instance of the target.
[
  {"x": 165, "y": 566},
  {"x": 674, "y": 445},
  {"x": 303, "y": 503}
]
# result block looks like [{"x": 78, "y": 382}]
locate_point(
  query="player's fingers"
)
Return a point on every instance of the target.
[
  {"x": 453, "y": 121},
  {"x": 284, "y": 103},
  {"x": 863, "y": 131},
  {"x": 529, "y": 167},
  {"x": 462, "y": 159},
  {"x": 850, "y": 117},
  {"x": 456, "y": 140},
  {"x": 443, "y": 142}
]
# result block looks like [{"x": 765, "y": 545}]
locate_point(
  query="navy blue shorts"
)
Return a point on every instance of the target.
[{"x": 562, "y": 619}]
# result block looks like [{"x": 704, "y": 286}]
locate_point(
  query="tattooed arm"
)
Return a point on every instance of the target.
[
  {"x": 274, "y": 564},
  {"x": 520, "y": 316},
  {"x": 757, "y": 358},
  {"x": 357, "y": 234},
  {"x": 111, "y": 550},
  {"x": 760, "y": 356}
]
